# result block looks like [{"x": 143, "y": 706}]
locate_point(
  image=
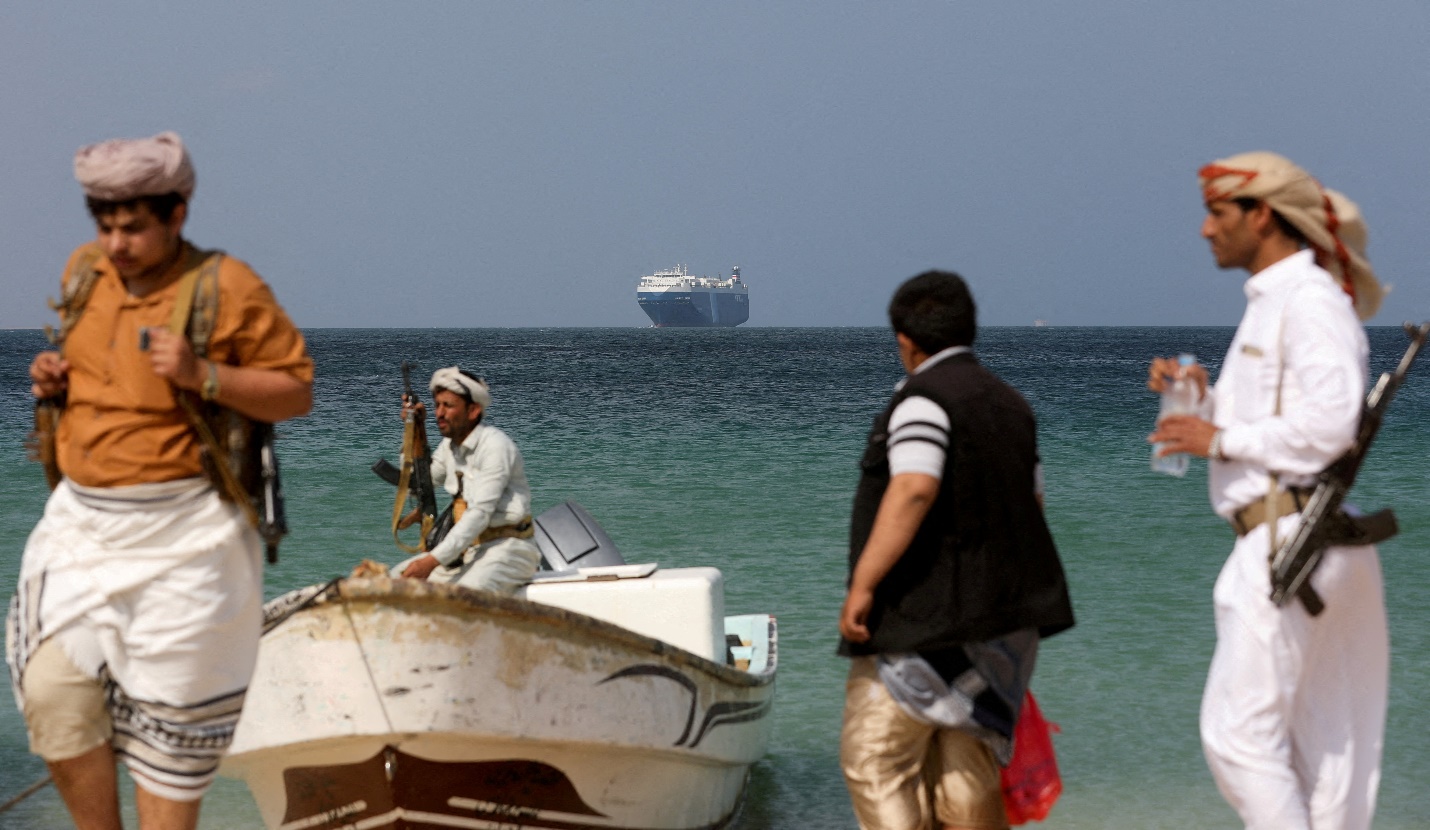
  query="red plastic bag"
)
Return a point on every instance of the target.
[{"x": 1030, "y": 781}]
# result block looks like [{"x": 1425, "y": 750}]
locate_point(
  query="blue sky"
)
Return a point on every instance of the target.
[{"x": 522, "y": 164}]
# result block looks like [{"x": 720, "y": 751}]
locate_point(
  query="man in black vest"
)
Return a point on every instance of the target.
[{"x": 953, "y": 578}]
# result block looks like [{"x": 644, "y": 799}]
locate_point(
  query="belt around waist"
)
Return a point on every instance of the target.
[
  {"x": 1253, "y": 515},
  {"x": 521, "y": 530}
]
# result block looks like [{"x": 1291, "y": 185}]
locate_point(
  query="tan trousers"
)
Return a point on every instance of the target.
[
  {"x": 65, "y": 710},
  {"x": 903, "y": 774}
]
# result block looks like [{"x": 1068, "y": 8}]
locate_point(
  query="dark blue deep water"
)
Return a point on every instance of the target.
[{"x": 737, "y": 448}]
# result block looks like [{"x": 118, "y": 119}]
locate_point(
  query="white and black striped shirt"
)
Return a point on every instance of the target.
[{"x": 918, "y": 431}]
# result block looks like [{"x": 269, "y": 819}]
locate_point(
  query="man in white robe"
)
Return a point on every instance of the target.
[{"x": 1293, "y": 715}]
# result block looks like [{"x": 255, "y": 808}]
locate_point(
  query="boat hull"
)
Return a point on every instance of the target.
[{"x": 398, "y": 703}]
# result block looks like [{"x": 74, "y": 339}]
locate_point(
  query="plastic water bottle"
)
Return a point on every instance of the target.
[{"x": 1178, "y": 398}]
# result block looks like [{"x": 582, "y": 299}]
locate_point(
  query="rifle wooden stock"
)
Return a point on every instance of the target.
[
  {"x": 1323, "y": 523},
  {"x": 40, "y": 444}
]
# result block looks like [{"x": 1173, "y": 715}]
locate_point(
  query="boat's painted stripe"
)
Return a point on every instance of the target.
[
  {"x": 719, "y": 714},
  {"x": 651, "y": 670},
  {"x": 723, "y": 714}
]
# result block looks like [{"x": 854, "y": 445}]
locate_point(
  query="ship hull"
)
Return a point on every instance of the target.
[{"x": 695, "y": 309}]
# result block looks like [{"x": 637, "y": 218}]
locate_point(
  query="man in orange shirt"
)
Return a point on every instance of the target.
[{"x": 135, "y": 627}]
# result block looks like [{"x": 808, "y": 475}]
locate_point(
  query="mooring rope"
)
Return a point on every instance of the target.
[{"x": 26, "y": 793}]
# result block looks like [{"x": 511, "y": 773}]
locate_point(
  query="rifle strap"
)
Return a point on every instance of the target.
[
  {"x": 459, "y": 504},
  {"x": 75, "y": 289},
  {"x": 205, "y": 270},
  {"x": 1273, "y": 513},
  {"x": 404, "y": 489},
  {"x": 74, "y": 295},
  {"x": 196, "y": 304},
  {"x": 1273, "y": 487},
  {"x": 184, "y": 302},
  {"x": 227, "y": 478},
  {"x": 1275, "y": 503}
]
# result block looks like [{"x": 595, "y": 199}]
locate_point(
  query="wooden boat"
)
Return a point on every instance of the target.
[{"x": 396, "y": 703}]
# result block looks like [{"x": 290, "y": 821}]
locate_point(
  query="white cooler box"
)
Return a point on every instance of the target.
[{"x": 681, "y": 606}]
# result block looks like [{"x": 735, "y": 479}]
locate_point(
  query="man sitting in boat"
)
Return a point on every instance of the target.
[{"x": 489, "y": 546}]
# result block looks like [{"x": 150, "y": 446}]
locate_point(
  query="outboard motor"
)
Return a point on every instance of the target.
[{"x": 569, "y": 538}]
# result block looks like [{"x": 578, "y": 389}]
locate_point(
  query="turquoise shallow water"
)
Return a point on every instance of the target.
[{"x": 737, "y": 448}]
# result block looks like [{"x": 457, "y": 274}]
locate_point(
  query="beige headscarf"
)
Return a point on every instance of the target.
[
  {"x": 127, "y": 168},
  {"x": 1331, "y": 223},
  {"x": 453, "y": 380}
]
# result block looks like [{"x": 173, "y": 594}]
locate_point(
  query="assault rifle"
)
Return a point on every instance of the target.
[
  {"x": 415, "y": 475},
  {"x": 1323, "y": 523},
  {"x": 419, "y": 455}
]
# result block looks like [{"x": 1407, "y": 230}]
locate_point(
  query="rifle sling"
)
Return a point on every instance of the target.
[
  {"x": 227, "y": 479},
  {"x": 404, "y": 488},
  {"x": 1275, "y": 504},
  {"x": 74, "y": 296},
  {"x": 179, "y": 324}
]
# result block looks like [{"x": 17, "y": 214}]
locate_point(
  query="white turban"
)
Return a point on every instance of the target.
[
  {"x": 452, "y": 380},
  {"x": 126, "y": 168},
  {"x": 1331, "y": 223}
]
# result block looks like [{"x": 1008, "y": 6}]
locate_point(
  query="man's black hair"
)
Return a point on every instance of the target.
[
  {"x": 935, "y": 310},
  {"x": 162, "y": 206},
  {"x": 1247, "y": 203}
]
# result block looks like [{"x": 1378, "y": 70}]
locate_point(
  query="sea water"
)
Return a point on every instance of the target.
[{"x": 738, "y": 448}]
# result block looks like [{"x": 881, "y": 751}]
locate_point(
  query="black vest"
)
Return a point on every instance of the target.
[{"x": 983, "y": 563}]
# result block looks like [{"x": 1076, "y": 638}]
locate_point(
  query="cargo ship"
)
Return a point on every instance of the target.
[{"x": 676, "y": 299}]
